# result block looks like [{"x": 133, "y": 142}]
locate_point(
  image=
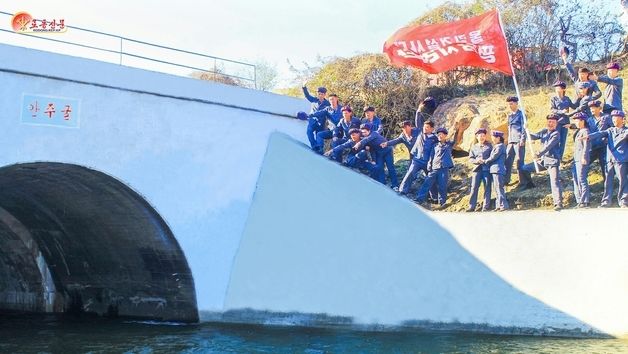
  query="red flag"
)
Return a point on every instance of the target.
[{"x": 477, "y": 41}]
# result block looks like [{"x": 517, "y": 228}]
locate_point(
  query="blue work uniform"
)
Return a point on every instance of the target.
[
  {"x": 580, "y": 167},
  {"x": 314, "y": 124},
  {"x": 355, "y": 158},
  {"x": 496, "y": 163},
  {"x": 516, "y": 144},
  {"x": 560, "y": 106},
  {"x": 598, "y": 146},
  {"x": 481, "y": 174},
  {"x": 549, "y": 154},
  {"x": 420, "y": 118},
  {"x": 595, "y": 89},
  {"x": 383, "y": 157},
  {"x": 612, "y": 92},
  {"x": 406, "y": 140},
  {"x": 421, "y": 152},
  {"x": 327, "y": 116},
  {"x": 376, "y": 124},
  {"x": 340, "y": 134},
  {"x": 616, "y": 163},
  {"x": 438, "y": 166}
]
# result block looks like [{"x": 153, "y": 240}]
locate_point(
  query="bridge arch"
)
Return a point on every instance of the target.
[{"x": 76, "y": 240}]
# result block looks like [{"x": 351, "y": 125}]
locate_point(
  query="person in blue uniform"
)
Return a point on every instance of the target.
[
  {"x": 616, "y": 159},
  {"x": 341, "y": 132},
  {"x": 359, "y": 158},
  {"x": 548, "y": 159},
  {"x": 424, "y": 112},
  {"x": 421, "y": 152},
  {"x": 481, "y": 174},
  {"x": 583, "y": 75},
  {"x": 407, "y": 137},
  {"x": 383, "y": 155},
  {"x": 371, "y": 118},
  {"x": 516, "y": 139},
  {"x": 329, "y": 117},
  {"x": 614, "y": 86},
  {"x": 560, "y": 105},
  {"x": 598, "y": 121},
  {"x": 496, "y": 163},
  {"x": 583, "y": 99},
  {"x": 438, "y": 166},
  {"x": 314, "y": 125},
  {"x": 581, "y": 159}
]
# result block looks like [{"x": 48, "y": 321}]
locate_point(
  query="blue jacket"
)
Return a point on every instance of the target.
[
  {"x": 334, "y": 115},
  {"x": 516, "y": 133},
  {"x": 342, "y": 128},
  {"x": 616, "y": 145},
  {"x": 612, "y": 92},
  {"x": 316, "y": 104},
  {"x": 561, "y": 106},
  {"x": 422, "y": 149},
  {"x": 441, "y": 156},
  {"x": 480, "y": 152},
  {"x": 595, "y": 89},
  {"x": 373, "y": 141},
  {"x": 582, "y": 105},
  {"x": 581, "y": 148},
  {"x": 408, "y": 141},
  {"x": 349, "y": 144},
  {"x": 377, "y": 124},
  {"x": 598, "y": 125},
  {"x": 497, "y": 159},
  {"x": 550, "y": 153},
  {"x": 420, "y": 118}
]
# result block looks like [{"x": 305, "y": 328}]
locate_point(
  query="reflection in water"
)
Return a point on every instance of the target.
[{"x": 51, "y": 335}]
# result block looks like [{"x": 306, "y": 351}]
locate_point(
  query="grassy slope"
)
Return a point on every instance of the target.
[{"x": 536, "y": 104}]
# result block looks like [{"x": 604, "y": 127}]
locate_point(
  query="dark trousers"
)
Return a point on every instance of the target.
[
  {"x": 599, "y": 154},
  {"x": 557, "y": 189},
  {"x": 580, "y": 175},
  {"x": 337, "y": 156},
  {"x": 360, "y": 160},
  {"x": 513, "y": 150},
  {"x": 384, "y": 157},
  {"x": 440, "y": 178},
  {"x": 619, "y": 170},
  {"x": 320, "y": 139},
  {"x": 499, "y": 181},
  {"x": 563, "y": 141},
  {"x": 313, "y": 127},
  {"x": 478, "y": 178}
]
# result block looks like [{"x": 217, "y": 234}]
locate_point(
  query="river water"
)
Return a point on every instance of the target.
[{"x": 51, "y": 335}]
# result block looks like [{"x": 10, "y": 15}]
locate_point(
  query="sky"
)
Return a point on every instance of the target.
[{"x": 271, "y": 30}]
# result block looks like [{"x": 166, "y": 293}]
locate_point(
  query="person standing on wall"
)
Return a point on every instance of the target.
[
  {"x": 314, "y": 124},
  {"x": 616, "y": 159},
  {"x": 581, "y": 159},
  {"x": 560, "y": 105},
  {"x": 497, "y": 167},
  {"x": 547, "y": 159},
  {"x": 481, "y": 174},
  {"x": 516, "y": 141}
]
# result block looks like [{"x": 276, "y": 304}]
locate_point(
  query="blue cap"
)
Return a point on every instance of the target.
[
  {"x": 559, "y": 83},
  {"x": 322, "y": 90},
  {"x": 442, "y": 130},
  {"x": 367, "y": 126},
  {"x": 369, "y": 109},
  {"x": 347, "y": 108},
  {"x": 302, "y": 115},
  {"x": 497, "y": 133},
  {"x": 613, "y": 65},
  {"x": 584, "y": 85},
  {"x": 512, "y": 99},
  {"x": 354, "y": 130},
  {"x": 595, "y": 104},
  {"x": 618, "y": 113},
  {"x": 552, "y": 116},
  {"x": 580, "y": 115},
  {"x": 480, "y": 131},
  {"x": 428, "y": 99}
]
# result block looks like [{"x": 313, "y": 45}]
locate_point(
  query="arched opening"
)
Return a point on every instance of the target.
[{"x": 75, "y": 240}]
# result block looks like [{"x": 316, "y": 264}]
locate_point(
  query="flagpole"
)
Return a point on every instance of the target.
[{"x": 514, "y": 79}]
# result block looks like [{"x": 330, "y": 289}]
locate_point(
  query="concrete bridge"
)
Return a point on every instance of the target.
[{"x": 152, "y": 196}]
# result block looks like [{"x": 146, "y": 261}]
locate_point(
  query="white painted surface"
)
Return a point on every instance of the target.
[
  {"x": 322, "y": 239},
  {"x": 196, "y": 163}
]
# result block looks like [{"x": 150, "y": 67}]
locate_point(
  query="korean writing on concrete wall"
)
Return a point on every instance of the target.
[{"x": 50, "y": 110}]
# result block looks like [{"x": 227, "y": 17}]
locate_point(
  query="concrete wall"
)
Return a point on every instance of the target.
[
  {"x": 322, "y": 240},
  {"x": 196, "y": 162}
]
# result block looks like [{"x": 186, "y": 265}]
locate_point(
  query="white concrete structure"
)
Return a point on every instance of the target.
[{"x": 260, "y": 223}]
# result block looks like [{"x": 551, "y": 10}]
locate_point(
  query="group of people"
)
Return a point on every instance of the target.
[{"x": 600, "y": 134}]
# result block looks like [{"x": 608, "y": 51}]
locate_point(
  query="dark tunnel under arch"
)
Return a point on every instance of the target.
[{"x": 76, "y": 240}]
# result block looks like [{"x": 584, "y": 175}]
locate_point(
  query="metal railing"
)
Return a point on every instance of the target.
[{"x": 220, "y": 69}]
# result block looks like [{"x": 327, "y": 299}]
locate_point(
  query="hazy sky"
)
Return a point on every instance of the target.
[{"x": 273, "y": 30}]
